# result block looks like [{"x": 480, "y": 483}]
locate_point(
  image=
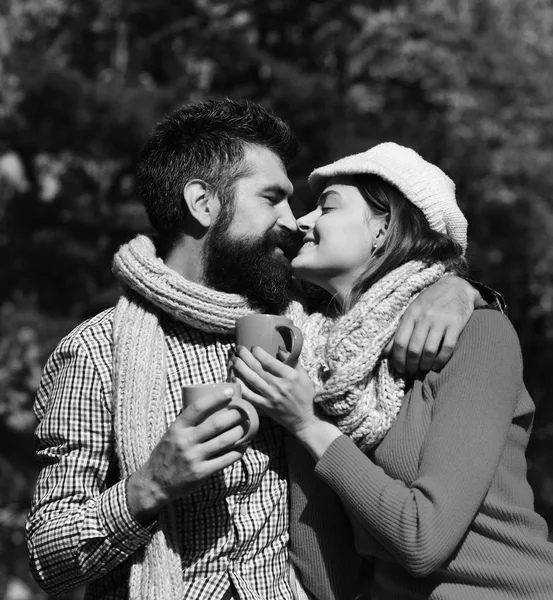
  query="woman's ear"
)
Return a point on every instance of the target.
[
  {"x": 202, "y": 204},
  {"x": 380, "y": 227}
]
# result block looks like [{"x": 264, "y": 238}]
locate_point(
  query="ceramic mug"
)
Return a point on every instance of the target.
[
  {"x": 200, "y": 391},
  {"x": 270, "y": 332}
]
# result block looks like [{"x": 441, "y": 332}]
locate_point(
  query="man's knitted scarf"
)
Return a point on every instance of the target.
[
  {"x": 150, "y": 289},
  {"x": 354, "y": 383}
]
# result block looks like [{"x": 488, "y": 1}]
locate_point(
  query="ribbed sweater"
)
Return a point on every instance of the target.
[{"x": 442, "y": 504}]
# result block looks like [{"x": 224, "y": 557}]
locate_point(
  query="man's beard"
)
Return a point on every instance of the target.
[{"x": 251, "y": 267}]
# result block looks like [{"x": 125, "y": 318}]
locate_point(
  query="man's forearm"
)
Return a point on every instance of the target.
[
  {"x": 143, "y": 499},
  {"x": 71, "y": 545}
]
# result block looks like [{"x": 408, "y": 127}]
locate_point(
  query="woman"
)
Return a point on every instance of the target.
[{"x": 431, "y": 471}]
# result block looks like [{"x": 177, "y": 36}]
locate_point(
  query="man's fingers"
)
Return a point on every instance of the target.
[
  {"x": 446, "y": 350},
  {"x": 415, "y": 348},
  {"x": 388, "y": 347},
  {"x": 199, "y": 410},
  {"x": 432, "y": 346},
  {"x": 218, "y": 463},
  {"x": 400, "y": 344},
  {"x": 218, "y": 423},
  {"x": 424, "y": 344},
  {"x": 225, "y": 441},
  {"x": 210, "y": 465}
]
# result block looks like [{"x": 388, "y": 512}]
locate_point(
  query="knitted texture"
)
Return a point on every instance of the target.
[
  {"x": 137, "y": 265},
  {"x": 354, "y": 383},
  {"x": 152, "y": 288},
  {"x": 421, "y": 182}
]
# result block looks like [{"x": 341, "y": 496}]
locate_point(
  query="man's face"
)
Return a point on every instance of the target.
[{"x": 251, "y": 254}]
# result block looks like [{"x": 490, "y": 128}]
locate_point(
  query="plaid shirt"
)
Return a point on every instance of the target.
[{"x": 80, "y": 530}]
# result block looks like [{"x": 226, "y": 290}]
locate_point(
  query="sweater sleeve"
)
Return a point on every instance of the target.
[
  {"x": 322, "y": 546},
  {"x": 475, "y": 397}
]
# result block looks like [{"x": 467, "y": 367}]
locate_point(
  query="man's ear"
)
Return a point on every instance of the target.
[{"x": 202, "y": 204}]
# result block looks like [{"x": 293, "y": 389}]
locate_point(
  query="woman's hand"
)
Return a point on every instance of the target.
[{"x": 281, "y": 392}]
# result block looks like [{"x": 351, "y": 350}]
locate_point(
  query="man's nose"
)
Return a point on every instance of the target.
[{"x": 286, "y": 217}]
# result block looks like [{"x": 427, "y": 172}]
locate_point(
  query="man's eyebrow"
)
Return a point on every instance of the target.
[{"x": 278, "y": 190}]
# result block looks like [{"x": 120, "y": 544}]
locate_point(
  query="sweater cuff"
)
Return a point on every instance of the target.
[
  {"x": 333, "y": 456},
  {"x": 343, "y": 467}
]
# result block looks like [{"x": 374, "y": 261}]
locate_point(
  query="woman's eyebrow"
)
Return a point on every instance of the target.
[{"x": 326, "y": 194}]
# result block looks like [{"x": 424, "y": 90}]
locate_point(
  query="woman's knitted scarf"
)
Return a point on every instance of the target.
[
  {"x": 354, "y": 383},
  {"x": 150, "y": 289}
]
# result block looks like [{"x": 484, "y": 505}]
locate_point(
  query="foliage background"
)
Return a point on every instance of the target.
[{"x": 467, "y": 83}]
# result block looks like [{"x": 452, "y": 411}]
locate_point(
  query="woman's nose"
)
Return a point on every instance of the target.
[{"x": 303, "y": 226}]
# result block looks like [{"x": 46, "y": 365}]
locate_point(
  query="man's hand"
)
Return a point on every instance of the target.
[
  {"x": 200, "y": 442},
  {"x": 430, "y": 327}
]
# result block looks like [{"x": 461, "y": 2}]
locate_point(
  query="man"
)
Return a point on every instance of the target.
[{"x": 136, "y": 498}]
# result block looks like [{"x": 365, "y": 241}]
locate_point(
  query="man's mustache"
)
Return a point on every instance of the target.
[{"x": 289, "y": 242}]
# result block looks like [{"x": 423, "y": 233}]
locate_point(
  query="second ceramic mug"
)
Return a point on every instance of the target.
[
  {"x": 270, "y": 332},
  {"x": 199, "y": 392}
]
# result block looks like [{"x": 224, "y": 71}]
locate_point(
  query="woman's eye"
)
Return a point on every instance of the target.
[{"x": 325, "y": 209}]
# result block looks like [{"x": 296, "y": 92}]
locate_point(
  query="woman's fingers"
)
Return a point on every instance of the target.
[
  {"x": 255, "y": 380},
  {"x": 269, "y": 363}
]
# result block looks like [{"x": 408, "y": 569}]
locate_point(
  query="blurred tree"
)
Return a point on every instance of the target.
[{"x": 468, "y": 84}]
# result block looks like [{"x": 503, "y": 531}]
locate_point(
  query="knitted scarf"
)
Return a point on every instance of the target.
[
  {"x": 150, "y": 288},
  {"x": 354, "y": 383}
]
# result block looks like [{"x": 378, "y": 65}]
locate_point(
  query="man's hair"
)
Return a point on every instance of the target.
[
  {"x": 409, "y": 236},
  {"x": 206, "y": 141}
]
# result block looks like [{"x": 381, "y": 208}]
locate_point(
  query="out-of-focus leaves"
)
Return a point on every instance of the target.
[{"x": 468, "y": 84}]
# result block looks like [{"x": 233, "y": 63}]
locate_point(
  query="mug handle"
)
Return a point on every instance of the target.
[
  {"x": 249, "y": 412},
  {"x": 297, "y": 343}
]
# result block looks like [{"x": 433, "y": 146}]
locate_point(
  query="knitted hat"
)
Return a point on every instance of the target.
[{"x": 422, "y": 183}]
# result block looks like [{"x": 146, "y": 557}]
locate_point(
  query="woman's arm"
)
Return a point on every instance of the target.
[{"x": 475, "y": 398}]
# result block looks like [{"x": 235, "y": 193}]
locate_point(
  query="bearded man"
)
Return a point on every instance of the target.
[{"x": 136, "y": 498}]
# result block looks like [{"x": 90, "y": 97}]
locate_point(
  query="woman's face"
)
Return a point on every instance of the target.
[{"x": 338, "y": 238}]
